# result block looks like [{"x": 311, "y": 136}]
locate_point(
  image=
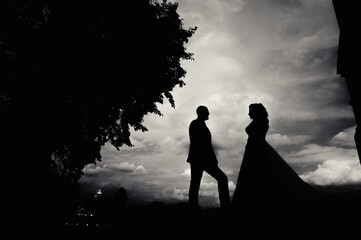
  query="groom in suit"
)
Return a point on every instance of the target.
[{"x": 202, "y": 158}]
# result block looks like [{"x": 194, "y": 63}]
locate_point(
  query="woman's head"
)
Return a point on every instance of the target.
[{"x": 257, "y": 111}]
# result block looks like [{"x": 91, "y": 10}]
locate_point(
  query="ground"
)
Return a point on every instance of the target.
[{"x": 338, "y": 215}]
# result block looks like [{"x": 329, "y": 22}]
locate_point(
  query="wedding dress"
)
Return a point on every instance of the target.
[{"x": 265, "y": 180}]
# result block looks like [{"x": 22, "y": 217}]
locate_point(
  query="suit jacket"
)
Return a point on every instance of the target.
[{"x": 200, "y": 149}]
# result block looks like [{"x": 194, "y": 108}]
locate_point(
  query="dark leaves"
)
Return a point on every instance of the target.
[{"x": 87, "y": 72}]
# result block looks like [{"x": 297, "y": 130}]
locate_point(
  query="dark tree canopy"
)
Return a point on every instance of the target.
[
  {"x": 77, "y": 74},
  {"x": 88, "y": 71}
]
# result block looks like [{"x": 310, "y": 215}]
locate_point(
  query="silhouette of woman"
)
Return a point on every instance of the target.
[{"x": 265, "y": 180}]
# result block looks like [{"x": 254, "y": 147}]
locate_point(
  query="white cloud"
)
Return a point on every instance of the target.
[
  {"x": 140, "y": 170},
  {"x": 125, "y": 167},
  {"x": 345, "y": 137},
  {"x": 173, "y": 145},
  {"x": 176, "y": 194},
  {"x": 205, "y": 186},
  {"x": 336, "y": 165},
  {"x": 210, "y": 190},
  {"x": 91, "y": 169},
  {"x": 276, "y": 139},
  {"x": 335, "y": 172},
  {"x": 245, "y": 51},
  {"x": 151, "y": 183},
  {"x": 231, "y": 186},
  {"x": 187, "y": 172},
  {"x": 316, "y": 153}
]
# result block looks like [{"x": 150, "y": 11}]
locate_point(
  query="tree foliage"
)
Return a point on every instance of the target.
[{"x": 75, "y": 75}]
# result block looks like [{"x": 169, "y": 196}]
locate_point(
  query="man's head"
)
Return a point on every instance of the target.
[{"x": 202, "y": 113}]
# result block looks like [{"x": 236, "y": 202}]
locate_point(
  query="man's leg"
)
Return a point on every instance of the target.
[
  {"x": 222, "y": 180},
  {"x": 196, "y": 176}
]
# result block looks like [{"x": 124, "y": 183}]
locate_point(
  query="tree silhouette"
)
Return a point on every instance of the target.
[
  {"x": 75, "y": 75},
  {"x": 121, "y": 197}
]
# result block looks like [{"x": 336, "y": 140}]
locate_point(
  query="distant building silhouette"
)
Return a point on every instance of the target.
[
  {"x": 98, "y": 194},
  {"x": 347, "y": 14}
]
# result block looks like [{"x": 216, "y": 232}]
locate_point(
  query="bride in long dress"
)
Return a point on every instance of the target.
[{"x": 265, "y": 180}]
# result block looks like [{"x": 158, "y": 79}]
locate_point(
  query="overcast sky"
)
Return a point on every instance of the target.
[{"x": 281, "y": 53}]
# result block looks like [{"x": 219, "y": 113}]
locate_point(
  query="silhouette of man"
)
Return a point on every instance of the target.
[{"x": 202, "y": 158}]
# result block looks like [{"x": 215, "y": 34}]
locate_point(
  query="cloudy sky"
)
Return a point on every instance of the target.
[{"x": 281, "y": 53}]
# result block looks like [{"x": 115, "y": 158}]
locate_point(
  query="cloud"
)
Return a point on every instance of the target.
[
  {"x": 176, "y": 194},
  {"x": 173, "y": 145},
  {"x": 124, "y": 167},
  {"x": 277, "y": 139},
  {"x": 316, "y": 154},
  {"x": 280, "y": 53},
  {"x": 345, "y": 137},
  {"x": 231, "y": 186},
  {"x": 90, "y": 170},
  {"x": 140, "y": 170},
  {"x": 337, "y": 164},
  {"x": 335, "y": 172},
  {"x": 187, "y": 172}
]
